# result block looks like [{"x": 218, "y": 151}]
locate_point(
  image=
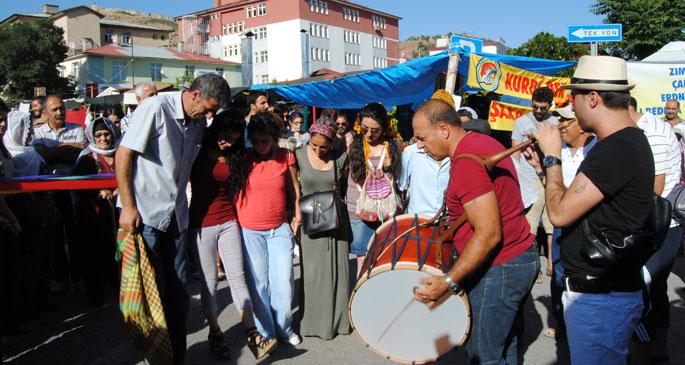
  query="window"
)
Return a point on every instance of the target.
[
  {"x": 127, "y": 38},
  {"x": 379, "y": 42},
  {"x": 264, "y": 56},
  {"x": 163, "y": 37},
  {"x": 220, "y": 71},
  {"x": 108, "y": 36},
  {"x": 351, "y": 14},
  {"x": 156, "y": 71},
  {"x": 262, "y": 79},
  {"x": 351, "y": 37},
  {"x": 261, "y": 34},
  {"x": 261, "y": 9},
  {"x": 190, "y": 70},
  {"x": 378, "y": 22},
  {"x": 318, "y": 6},
  {"x": 352, "y": 59},
  {"x": 118, "y": 70},
  {"x": 154, "y": 36},
  {"x": 328, "y": 56}
]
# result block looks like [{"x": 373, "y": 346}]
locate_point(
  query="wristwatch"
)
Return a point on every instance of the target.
[
  {"x": 451, "y": 285},
  {"x": 550, "y": 161}
]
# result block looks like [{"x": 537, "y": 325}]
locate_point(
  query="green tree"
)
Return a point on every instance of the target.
[
  {"x": 30, "y": 56},
  {"x": 549, "y": 46},
  {"x": 647, "y": 24}
]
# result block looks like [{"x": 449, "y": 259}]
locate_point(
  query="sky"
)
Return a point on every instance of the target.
[{"x": 515, "y": 21}]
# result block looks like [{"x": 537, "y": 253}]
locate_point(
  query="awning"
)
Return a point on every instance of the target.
[{"x": 405, "y": 83}]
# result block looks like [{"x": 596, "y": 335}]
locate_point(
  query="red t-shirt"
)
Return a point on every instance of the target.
[
  {"x": 210, "y": 204},
  {"x": 263, "y": 204},
  {"x": 470, "y": 180}
]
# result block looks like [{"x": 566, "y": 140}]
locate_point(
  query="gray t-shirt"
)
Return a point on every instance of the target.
[{"x": 527, "y": 175}]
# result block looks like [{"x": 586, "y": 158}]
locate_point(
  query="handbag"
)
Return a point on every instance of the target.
[
  {"x": 605, "y": 248},
  {"x": 320, "y": 210},
  {"x": 377, "y": 200}
]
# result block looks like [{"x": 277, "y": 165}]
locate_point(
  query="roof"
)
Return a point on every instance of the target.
[
  {"x": 163, "y": 53},
  {"x": 241, "y": 3},
  {"x": 54, "y": 16},
  {"x": 116, "y": 23},
  {"x": 673, "y": 52},
  {"x": 65, "y": 11}
]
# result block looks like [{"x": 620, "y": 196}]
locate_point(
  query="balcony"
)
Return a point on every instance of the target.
[{"x": 203, "y": 28}]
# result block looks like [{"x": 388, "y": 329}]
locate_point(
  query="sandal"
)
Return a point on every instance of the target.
[
  {"x": 218, "y": 345},
  {"x": 257, "y": 344}
]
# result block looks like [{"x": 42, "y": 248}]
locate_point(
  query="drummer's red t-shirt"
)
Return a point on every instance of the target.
[{"x": 469, "y": 180}]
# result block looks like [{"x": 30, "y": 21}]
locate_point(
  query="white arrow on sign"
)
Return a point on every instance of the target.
[
  {"x": 580, "y": 33},
  {"x": 606, "y": 32}
]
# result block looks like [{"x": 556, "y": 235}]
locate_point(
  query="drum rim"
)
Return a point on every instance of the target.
[{"x": 404, "y": 265}]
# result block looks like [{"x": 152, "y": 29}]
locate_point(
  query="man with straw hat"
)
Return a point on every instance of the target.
[{"x": 609, "y": 195}]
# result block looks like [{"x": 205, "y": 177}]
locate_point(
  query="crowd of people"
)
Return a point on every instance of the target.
[{"x": 251, "y": 169}]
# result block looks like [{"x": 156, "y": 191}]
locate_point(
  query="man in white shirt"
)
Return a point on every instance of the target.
[
  {"x": 650, "y": 334},
  {"x": 672, "y": 118},
  {"x": 153, "y": 165}
]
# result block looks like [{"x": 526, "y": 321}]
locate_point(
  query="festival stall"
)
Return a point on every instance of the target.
[{"x": 414, "y": 81}]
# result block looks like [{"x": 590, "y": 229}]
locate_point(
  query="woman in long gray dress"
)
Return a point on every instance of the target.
[{"x": 324, "y": 256}]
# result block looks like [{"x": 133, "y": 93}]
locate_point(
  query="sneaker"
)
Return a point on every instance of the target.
[{"x": 294, "y": 339}]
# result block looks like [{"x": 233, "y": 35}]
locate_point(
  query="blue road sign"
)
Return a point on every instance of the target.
[
  {"x": 467, "y": 44},
  {"x": 595, "y": 33}
]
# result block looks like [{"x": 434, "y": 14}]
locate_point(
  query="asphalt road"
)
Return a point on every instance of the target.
[{"x": 78, "y": 333}]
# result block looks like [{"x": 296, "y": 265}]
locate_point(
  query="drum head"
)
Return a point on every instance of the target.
[{"x": 413, "y": 333}]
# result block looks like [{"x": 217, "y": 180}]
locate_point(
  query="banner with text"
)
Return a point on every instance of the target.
[
  {"x": 655, "y": 84},
  {"x": 502, "y": 115},
  {"x": 492, "y": 76}
]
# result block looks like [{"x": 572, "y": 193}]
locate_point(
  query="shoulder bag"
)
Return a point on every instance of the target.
[{"x": 321, "y": 210}]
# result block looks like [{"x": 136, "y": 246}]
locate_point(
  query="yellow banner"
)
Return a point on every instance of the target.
[
  {"x": 657, "y": 83},
  {"x": 492, "y": 76},
  {"x": 502, "y": 115}
]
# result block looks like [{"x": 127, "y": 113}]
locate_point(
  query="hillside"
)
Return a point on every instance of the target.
[{"x": 136, "y": 17}]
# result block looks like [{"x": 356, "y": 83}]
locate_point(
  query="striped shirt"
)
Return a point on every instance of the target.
[{"x": 665, "y": 149}]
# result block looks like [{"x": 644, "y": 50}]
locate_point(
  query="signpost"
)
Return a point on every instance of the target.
[
  {"x": 595, "y": 33},
  {"x": 459, "y": 43},
  {"x": 466, "y": 44}
]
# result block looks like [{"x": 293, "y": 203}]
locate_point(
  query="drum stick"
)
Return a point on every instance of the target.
[{"x": 397, "y": 316}]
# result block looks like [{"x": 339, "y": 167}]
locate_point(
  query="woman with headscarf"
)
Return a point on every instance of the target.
[
  {"x": 324, "y": 257},
  {"x": 95, "y": 212},
  {"x": 36, "y": 213}
]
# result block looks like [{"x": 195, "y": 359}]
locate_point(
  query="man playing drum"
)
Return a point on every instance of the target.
[{"x": 497, "y": 262}]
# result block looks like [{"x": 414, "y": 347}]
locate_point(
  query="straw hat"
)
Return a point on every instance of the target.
[{"x": 600, "y": 73}]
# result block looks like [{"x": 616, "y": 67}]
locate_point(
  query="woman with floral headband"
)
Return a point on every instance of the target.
[
  {"x": 375, "y": 165},
  {"x": 325, "y": 265}
]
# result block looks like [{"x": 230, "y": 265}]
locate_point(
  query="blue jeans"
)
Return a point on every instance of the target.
[
  {"x": 599, "y": 326},
  {"x": 168, "y": 254},
  {"x": 556, "y": 285},
  {"x": 361, "y": 234},
  {"x": 269, "y": 273},
  {"x": 496, "y": 301}
]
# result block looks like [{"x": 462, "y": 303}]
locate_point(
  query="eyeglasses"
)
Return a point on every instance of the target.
[
  {"x": 541, "y": 107},
  {"x": 366, "y": 130}
]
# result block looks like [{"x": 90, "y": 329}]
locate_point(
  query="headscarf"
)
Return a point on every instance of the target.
[
  {"x": 25, "y": 159},
  {"x": 90, "y": 135},
  {"x": 322, "y": 127}
]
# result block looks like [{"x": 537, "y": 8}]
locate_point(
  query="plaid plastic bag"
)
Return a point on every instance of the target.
[{"x": 144, "y": 324}]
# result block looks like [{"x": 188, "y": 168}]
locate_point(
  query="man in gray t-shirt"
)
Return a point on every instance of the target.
[{"x": 532, "y": 191}]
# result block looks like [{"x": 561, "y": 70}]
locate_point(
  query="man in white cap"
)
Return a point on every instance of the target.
[{"x": 602, "y": 303}]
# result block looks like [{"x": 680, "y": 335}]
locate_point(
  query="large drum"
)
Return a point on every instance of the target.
[{"x": 382, "y": 309}]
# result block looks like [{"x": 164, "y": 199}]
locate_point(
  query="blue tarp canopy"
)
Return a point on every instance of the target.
[{"x": 405, "y": 83}]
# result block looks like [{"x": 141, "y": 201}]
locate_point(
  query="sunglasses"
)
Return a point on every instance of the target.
[
  {"x": 101, "y": 134},
  {"x": 366, "y": 130}
]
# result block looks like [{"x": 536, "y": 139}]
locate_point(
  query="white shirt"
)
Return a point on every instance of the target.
[
  {"x": 50, "y": 138},
  {"x": 424, "y": 179},
  {"x": 665, "y": 149},
  {"x": 167, "y": 146},
  {"x": 570, "y": 161}
]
